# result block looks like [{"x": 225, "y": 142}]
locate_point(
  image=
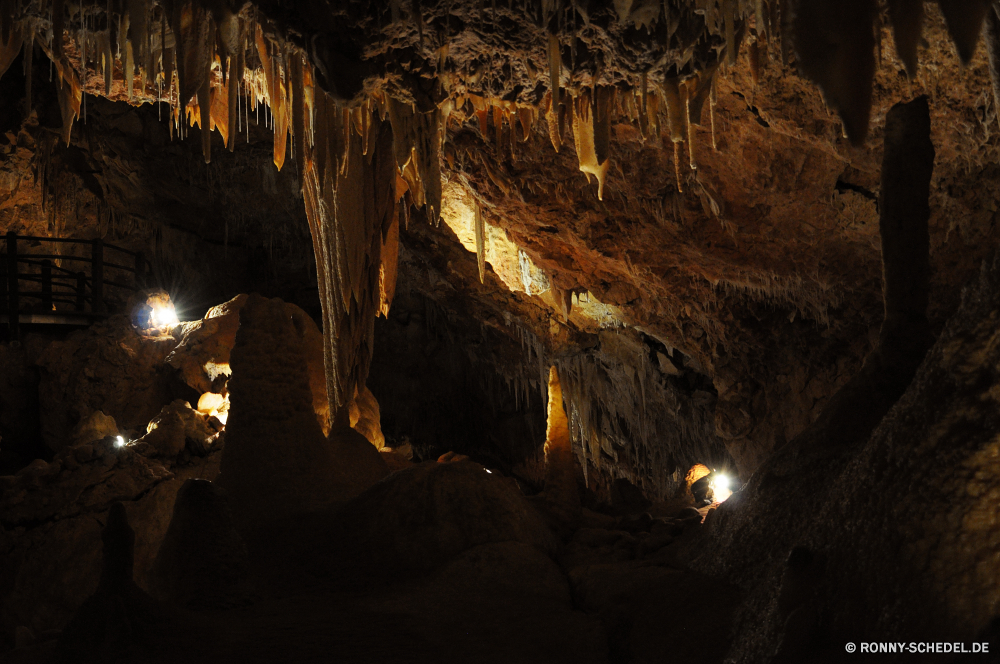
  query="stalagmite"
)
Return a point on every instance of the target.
[
  {"x": 561, "y": 493},
  {"x": 480, "y": 243},
  {"x": 853, "y": 412}
]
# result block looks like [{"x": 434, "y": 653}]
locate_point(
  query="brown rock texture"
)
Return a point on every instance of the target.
[
  {"x": 421, "y": 517},
  {"x": 108, "y": 367},
  {"x": 277, "y": 461},
  {"x": 202, "y": 353},
  {"x": 55, "y": 512},
  {"x": 202, "y": 561}
]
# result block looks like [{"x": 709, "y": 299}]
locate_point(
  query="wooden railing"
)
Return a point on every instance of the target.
[{"x": 63, "y": 295}]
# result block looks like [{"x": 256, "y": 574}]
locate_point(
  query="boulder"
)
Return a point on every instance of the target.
[
  {"x": 202, "y": 562},
  {"x": 365, "y": 417},
  {"x": 177, "y": 428},
  {"x": 421, "y": 517},
  {"x": 110, "y": 368},
  {"x": 277, "y": 462},
  {"x": 202, "y": 356},
  {"x": 92, "y": 428},
  {"x": 648, "y": 610},
  {"x": 52, "y": 514},
  {"x": 497, "y": 603}
]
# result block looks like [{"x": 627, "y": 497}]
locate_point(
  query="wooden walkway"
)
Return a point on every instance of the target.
[{"x": 44, "y": 292}]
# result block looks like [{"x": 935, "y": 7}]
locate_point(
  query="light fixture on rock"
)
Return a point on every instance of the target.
[{"x": 153, "y": 312}]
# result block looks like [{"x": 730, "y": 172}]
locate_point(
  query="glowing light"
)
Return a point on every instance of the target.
[
  {"x": 720, "y": 487},
  {"x": 119, "y": 442},
  {"x": 489, "y": 471},
  {"x": 164, "y": 316}
]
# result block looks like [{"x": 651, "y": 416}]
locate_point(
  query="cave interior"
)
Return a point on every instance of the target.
[{"x": 500, "y": 332}]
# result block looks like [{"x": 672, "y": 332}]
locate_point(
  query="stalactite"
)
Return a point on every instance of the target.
[
  {"x": 906, "y": 17},
  {"x": 732, "y": 48},
  {"x": 675, "y": 119},
  {"x": 29, "y": 58},
  {"x": 556, "y": 112},
  {"x": 389, "y": 265},
  {"x": 417, "y": 140},
  {"x": 480, "y": 243},
  {"x": 592, "y": 132},
  {"x": 688, "y": 90},
  {"x": 964, "y": 19},
  {"x": 711, "y": 112},
  {"x": 760, "y": 20},
  {"x": 204, "y": 92},
  {"x": 991, "y": 35},
  {"x": 835, "y": 45},
  {"x": 10, "y": 47},
  {"x": 552, "y": 119},
  {"x": 349, "y": 203},
  {"x": 526, "y": 118},
  {"x": 58, "y": 26}
]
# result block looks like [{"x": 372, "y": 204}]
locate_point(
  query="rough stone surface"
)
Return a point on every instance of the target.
[
  {"x": 277, "y": 460},
  {"x": 202, "y": 561},
  {"x": 93, "y": 428},
  {"x": 177, "y": 428},
  {"x": 202, "y": 354},
  {"x": 108, "y": 367},
  {"x": 905, "y": 559},
  {"x": 420, "y": 517},
  {"x": 54, "y": 513}
]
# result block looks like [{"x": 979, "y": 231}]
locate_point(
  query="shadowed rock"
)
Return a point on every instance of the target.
[
  {"x": 277, "y": 461},
  {"x": 203, "y": 560}
]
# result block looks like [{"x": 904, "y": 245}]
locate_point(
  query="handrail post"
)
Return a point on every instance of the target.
[
  {"x": 81, "y": 291},
  {"x": 97, "y": 276},
  {"x": 13, "y": 305},
  {"x": 47, "y": 284}
]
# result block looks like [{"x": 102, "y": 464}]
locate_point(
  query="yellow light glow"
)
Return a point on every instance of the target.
[
  {"x": 164, "y": 316},
  {"x": 119, "y": 442},
  {"x": 720, "y": 486}
]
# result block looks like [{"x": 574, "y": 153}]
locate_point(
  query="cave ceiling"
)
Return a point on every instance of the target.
[{"x": 700, "y": 188}]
